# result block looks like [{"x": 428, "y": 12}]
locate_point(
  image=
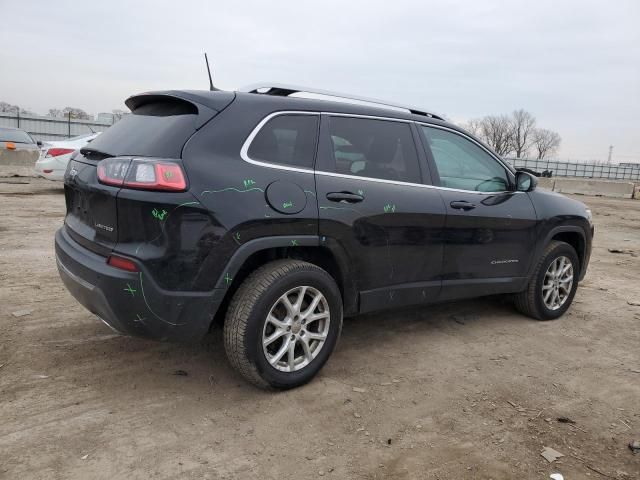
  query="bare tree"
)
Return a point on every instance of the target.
[
  {"x": 494, "y": 130},
  {"x": 55, "y": 112},
  {"x": 523, "y": 125},
  {"x": 8, "y": 108},
  {"x": 77, "y": 113},
  {"x": 545, "y": 142},
  {"x": 473, "y": 126}
]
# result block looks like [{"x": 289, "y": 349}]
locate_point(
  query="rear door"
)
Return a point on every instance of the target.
[
  {"x": 374, "y": 208},
  {"x": 490, "y": 229}
]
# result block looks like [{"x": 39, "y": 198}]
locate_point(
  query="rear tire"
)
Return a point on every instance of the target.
[
  {"x": 553, "y": 283},
  {"x": 283, "y": 324}
]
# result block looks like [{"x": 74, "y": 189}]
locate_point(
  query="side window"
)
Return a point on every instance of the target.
[
  {"x": 374, "y": 148},
  {"x": 464, "y": 165},
  {"x": 286, "y": 139}
]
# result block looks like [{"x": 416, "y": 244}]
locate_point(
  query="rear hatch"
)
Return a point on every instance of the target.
[{"x": 159, "y": 126}]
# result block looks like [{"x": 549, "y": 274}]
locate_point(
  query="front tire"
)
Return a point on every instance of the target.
[
  {"x": 283, "y": 324},
  {"x": 553, "y": 283}
]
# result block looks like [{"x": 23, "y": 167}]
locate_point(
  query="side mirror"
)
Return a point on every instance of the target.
[
  {"x": 39, "y": 143},
  {"x": 525, "y": 182}
]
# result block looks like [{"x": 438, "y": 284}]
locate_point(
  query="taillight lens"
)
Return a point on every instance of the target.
[
  {"x": 56, "y": 152},
  {"x": 142, "y": 174},
  {"x": 113, "y": 171}
]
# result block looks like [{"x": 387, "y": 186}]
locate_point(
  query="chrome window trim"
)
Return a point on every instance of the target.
[
  {"x": 408, "y": 184},
  {"x": 244, "y": 151},
  {"x": 247, "y": 143}
]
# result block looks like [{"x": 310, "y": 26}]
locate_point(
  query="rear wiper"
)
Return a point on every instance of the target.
[{"x": 94, "y": 153}]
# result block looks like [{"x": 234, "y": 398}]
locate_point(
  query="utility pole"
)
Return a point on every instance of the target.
[{"x": 610, "y": 151}]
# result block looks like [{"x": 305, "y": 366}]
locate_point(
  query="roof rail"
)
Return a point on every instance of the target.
[{"x": 283, "y": 90}]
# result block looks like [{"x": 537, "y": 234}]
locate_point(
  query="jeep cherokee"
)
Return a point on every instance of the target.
[{"x": 279, "y": 214}]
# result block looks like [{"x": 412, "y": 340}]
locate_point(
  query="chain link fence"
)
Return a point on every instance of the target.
[
  {"x": 556, "y": 168},
  {"x": 50, "y": 128}
]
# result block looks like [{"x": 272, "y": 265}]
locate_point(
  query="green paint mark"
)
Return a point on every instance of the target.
[
  {"x": 144, "y": 297},
  {"x": 287, "y": 204},
  {"x": 309, "y": 191},
  {"x": 139, "y": 318},
  {"x": 233, "y": 189},
  {"x": 294, "y": 243},
  {"x": 361, "y": 192},
  {"x": 389, "y": 208},
  {"x": 248, "y": 183},
  {"x": 159, "y": 214},
  {"x": 132, "y": 291},
  {"x": 168, "y": 174},
  {"x": 227, "y": 278},
  {"x": 237, "y": 236}
]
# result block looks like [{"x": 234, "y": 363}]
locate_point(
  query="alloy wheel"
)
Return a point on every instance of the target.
[
  {"x": 558, "y": 280},
  {"x": 296, "y": 329}
]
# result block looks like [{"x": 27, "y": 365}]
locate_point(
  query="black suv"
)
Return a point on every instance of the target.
[{"x": 278, "y": 215}]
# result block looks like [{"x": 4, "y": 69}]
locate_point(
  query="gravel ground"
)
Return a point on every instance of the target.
[{"x": 461, "y": 390}]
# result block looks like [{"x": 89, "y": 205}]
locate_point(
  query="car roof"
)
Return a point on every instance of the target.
[
  {"x": 13, "y": 128},
  {"x": 211, "y": 99}
]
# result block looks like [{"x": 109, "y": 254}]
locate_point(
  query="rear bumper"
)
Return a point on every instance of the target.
[
  {"x": 51, "y": 168},
  {"x": 131, "y": 303}
]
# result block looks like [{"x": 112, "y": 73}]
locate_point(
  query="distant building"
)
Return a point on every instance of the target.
[{"x": 105, "y": 117}]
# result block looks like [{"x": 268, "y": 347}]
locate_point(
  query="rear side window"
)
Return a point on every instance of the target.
[
  {"x": 374, "y": 148},
  {"x": 155, "y": 129},
  {"x": 16, "y": 136},
  {"x": 286, "y": 139}
]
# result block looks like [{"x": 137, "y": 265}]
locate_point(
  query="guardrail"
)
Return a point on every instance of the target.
[{"x": 558, "y": 168}]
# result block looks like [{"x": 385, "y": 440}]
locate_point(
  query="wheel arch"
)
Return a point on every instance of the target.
[
  {"x": 574, "y": 236},
  {"x": 309, "y": 248}
]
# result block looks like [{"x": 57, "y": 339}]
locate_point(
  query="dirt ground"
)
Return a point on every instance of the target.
[{"x": 462, "y": 390}]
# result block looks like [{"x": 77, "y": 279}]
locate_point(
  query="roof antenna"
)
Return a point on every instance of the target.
[{"x": 211, "y": 87}]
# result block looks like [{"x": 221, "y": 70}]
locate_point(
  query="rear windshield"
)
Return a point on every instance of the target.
[
  {"x": 17, "y": 136},
  {"x": 159, "y": 129}
]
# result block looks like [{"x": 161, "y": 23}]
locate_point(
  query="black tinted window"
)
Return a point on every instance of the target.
[
  {"x": 155, "y": 129},
  {"x": 374, "y": 148},
  {"x": 286, "y": 139},
  {"x": 464, "y": 165}
]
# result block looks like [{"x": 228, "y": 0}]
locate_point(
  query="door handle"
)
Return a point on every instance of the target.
[
  {"x": 462, "y": 205},
  {"x": 346, "y": 197}
]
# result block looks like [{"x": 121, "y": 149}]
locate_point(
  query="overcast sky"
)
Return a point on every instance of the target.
[{"x": 574, "y": 64}]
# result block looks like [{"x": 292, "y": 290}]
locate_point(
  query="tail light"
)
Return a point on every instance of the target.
[
  {"x": 142, "y": 174},
  {"x": 56, "y": 152}
]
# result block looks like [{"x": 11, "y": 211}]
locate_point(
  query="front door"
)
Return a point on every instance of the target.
[
  {"x": 373, "y": 207},
  {"x": 490, "y": 229}
]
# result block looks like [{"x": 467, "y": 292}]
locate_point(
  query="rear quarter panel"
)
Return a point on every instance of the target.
[{"x": 233, "y": 191}]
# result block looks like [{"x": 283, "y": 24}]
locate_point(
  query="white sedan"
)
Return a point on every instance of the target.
[{"x": 55, "y": 156}]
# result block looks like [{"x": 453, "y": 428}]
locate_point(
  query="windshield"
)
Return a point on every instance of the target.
[
  {"x": 146, "y": 136},
  {"x": 17, "y": 136}
]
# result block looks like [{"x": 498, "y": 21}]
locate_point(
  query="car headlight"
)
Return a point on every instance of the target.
[{"x": 589, "y": 216}]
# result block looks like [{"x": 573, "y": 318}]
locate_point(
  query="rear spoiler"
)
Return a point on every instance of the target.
[{"x": 180, "y": 103}]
